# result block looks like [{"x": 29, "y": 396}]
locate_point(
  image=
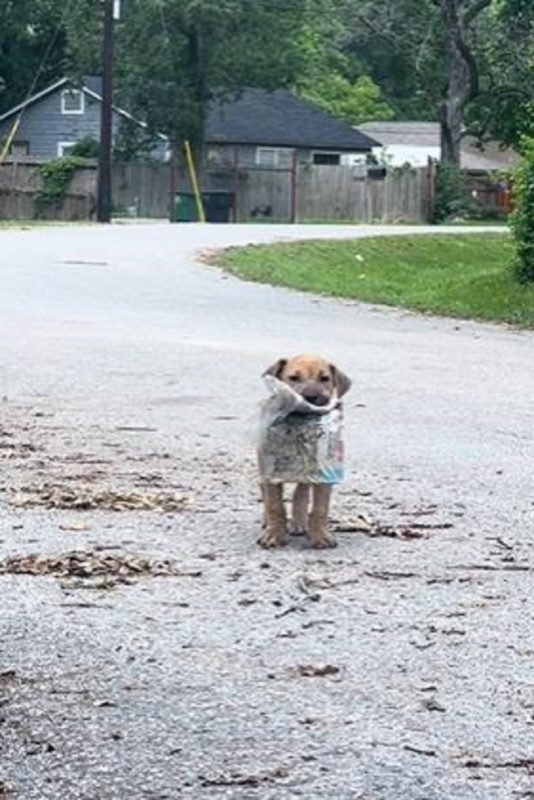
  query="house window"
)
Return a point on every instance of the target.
[
  {"x": 72, "y": 101},
  {"x": 333, "y": 159},
  {"x": 64, "y": 148},
  {"x": 274, "y": 157},
  {"x": 19, "y": 148}
]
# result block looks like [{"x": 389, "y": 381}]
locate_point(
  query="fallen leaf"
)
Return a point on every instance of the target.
[{"x": 311, "y": 671}]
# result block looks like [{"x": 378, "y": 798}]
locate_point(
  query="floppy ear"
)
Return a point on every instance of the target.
[
  {"x": 276, "y": 369},
  {"x": 341, "y": 381}
]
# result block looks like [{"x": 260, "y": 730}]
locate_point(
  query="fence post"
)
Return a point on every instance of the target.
[
  {"x": 236, "y": 182},
  {"x": 293, "y": 198},
  {"x": 431, "y": 189},
  {"x": 172, "y": 181}
]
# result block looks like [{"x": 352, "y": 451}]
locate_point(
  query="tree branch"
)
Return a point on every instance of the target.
[{"x": 473, "y": 11}]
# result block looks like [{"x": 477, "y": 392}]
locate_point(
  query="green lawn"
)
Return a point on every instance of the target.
[{"x": 465, "y": 275}]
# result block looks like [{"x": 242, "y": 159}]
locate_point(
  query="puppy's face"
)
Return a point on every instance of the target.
[{"x": 312, "y": 377}]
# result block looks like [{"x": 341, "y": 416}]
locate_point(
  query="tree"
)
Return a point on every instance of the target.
[
  {"x": 467, "y": 63},
  {"x": 461, "y": 70},
  {"x": 32, "y": 47},
  {"x": 354, "y": 101},
  {"x": 175, "y": 57}
]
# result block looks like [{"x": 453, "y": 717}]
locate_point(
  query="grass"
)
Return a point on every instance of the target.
[{"x": 466, "y": 276}]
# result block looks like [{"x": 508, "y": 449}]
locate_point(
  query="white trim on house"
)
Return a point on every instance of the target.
[
  {"x": 124, "y": 113},
  {"x": 62, "y": 146},
  {"x": 73, "y": 93},
  {"x": 32, "y": 99}
]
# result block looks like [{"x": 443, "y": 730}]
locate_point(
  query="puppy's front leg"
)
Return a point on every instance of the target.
[
  {"x": 299, "y": 515},
  {"x": 319, "y": 535},
  {"x": 275, "y": 533}
]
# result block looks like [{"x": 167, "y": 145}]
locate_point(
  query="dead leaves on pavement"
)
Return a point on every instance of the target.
[
  {"x": 89, "y": 498},
  {"x": 92, "y": 569}
]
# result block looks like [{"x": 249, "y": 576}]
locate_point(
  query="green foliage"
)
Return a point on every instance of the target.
[
  {"x": 175, "y": 57},
  {"x": 56, "y": 177},
  {"x": 522, "y": 218},
  {"x": 88, "y": 147},
  {"x": 26, "y": 29},
  {"x": 452, "y": 197},
  {"x": 133, "y": 142},
  {"x": 355, "y": 102}
]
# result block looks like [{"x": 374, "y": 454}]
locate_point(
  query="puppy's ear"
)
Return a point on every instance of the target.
[
  {"x": 342, "y": 382},
  {"x": 277, "y": 368}
]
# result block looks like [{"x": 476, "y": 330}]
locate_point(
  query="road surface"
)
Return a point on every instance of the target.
[{"x": 398, "y": 666}]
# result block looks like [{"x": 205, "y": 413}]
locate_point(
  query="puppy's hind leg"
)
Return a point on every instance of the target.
[
  {"x": 299, "y": 514},
  {"x": 275, "y": 533}
]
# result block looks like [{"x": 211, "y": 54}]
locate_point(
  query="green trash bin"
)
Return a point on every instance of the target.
[{"x": 185, "y": 208}]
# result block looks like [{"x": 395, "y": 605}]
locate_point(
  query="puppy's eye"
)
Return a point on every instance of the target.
[
  {"x": 325, "y": 378},
  {"x": 294, "y": 378}
]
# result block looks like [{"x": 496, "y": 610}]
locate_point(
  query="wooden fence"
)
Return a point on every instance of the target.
[
  {"x": 309, "y": 193},
  {"x": 303, "y": 193},
  {"x": 20, "y": 181}
]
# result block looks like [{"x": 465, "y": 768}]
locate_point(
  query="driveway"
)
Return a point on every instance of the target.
[{"x": 175, "y": 659}]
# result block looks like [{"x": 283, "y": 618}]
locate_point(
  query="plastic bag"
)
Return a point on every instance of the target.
[{"x": 299, "y": 442}]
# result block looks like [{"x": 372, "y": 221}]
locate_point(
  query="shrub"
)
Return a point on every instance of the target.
[
  {"x": 88, "y": 147},
  {"x": 522, "y": 218},
  {"x": 56, "y": 177},
  {"x": 452, "y": 195}
]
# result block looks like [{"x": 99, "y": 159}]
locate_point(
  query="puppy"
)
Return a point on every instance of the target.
[{"x": 318, "y": 382}]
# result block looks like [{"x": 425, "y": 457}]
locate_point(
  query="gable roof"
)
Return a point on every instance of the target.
[
  {"x": 417, "y": 140},
  {"x": 280, "y": 119},
  {"x": 91, "y": 85}
]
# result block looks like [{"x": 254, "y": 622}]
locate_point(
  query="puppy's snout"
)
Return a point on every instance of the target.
[{"x": 315, "y": 398}]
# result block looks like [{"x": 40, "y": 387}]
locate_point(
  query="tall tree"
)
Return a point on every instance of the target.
[
  {"x": 461, "y": 71},
  {"x": 177, "y": 56},
  {"x": 467, "y": 63}
]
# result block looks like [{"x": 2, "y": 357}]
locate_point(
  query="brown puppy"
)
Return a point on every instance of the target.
[{"x": 318, "y": 382}]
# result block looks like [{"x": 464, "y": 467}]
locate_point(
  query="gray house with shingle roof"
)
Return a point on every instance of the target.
[
  {"x": 266, "y": 129},
  {"x": 259, "y": 128},
  {"x": 53, "y": 120}
]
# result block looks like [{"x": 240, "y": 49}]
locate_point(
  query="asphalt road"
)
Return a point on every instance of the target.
[{"x": 128, "y": 366}]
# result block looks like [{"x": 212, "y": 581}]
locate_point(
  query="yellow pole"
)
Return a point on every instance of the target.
[
  {"x": 5, "y": 150},
  {"x": 194, "y": 181}
]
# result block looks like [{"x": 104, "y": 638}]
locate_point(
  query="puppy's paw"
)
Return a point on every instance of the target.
[
  {"x": 272, "y": 538},
  {"x": 323, "y": 541},
  {"x": 298, "y": 530}
]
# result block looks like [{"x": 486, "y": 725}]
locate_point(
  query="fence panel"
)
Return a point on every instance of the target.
[{"x": 141, "y": 189}]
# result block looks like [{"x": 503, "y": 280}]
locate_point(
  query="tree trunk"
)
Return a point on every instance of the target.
[
  {"x": 452, "y": 109},
  {"x": 462, "y": 73}
]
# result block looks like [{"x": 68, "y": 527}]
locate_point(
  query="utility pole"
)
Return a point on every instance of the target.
[{"x": 106, "y": 118}]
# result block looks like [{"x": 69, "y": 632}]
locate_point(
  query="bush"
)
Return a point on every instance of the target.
[
  {"x": 56, "y": 177},
  {"x": 86, "y": 148},
  {"x": 452, "y": 195},
  {"x": 522, "y": 218}
]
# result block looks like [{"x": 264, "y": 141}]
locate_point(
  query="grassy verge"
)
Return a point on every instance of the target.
[{"x": 464, "y": 276}]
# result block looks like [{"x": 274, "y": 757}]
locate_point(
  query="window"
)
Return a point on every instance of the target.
[
  {"x": 274, "y": 157},
  {"x": 326, "y": 158},
  {"x": 19, "y": 148},
  {"x": 72, "y": 101},
  {"x": 64, "y": 148}
]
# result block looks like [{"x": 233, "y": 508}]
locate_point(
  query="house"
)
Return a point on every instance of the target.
[
  {"x": 53, "y": 120},
  {"x": 259, "y": 128},
  {"x": 415, "y": 142},
  {"x": 269, "y": 129}
]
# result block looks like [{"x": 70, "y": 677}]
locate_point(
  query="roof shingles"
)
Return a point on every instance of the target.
[{"x": 280, "y": 119}]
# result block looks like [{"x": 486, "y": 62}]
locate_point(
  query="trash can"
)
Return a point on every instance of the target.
[
  {"x": 218, "y": 205},
  {"x": 185, "y": 208}
]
